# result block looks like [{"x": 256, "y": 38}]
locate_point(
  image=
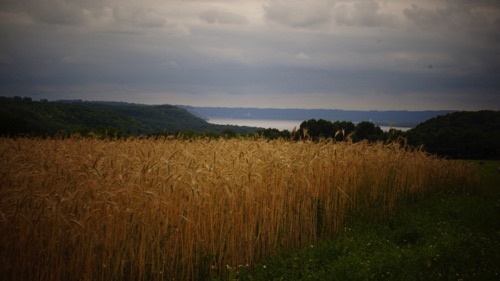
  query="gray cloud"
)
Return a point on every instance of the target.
[
  {"x": 318, "y": 13},
  {"x": 467, "y": 29},
  {"x": 421, "y": 16},
  {"x": 364, "y": 13},
  {"x": 138, "y": 17},
  {"x": 297, "y": 13},
  {"x": 56, "y": 11},
  {"x": 104, "y": 13},
  {"x": 222, "y": 17},
  {"x": 455, "y": 15}
]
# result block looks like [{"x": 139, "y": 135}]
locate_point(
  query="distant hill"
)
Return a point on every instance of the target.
[
  {"x": 465, "y": 135},
  {"x": 23, "y": 116},
  {"x": 382, "y": 118}
]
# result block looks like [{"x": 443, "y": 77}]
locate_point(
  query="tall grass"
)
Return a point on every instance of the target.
[{"x": 144, "y": 209}]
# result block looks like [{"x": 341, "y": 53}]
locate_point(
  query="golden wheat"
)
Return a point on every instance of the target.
[{"x": 145, "y": 209}]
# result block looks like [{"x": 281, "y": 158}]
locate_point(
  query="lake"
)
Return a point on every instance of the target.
[{"x": 277, "y": 124}]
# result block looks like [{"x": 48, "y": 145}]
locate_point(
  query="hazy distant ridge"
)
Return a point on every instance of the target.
[{"x": 400, "y": 118}]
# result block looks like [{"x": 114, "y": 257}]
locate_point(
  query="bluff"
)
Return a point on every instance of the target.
[
  {"x": 27, "y": 117},
  {"x": 465, "y": 135}
]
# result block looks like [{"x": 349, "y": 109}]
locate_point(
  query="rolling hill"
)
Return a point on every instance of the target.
[{"x": 48, "y": 118}]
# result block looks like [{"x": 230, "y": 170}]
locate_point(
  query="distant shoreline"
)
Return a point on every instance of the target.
[
  {"x": 391, "y": 118},
  {"x": 280, "y": 124}
]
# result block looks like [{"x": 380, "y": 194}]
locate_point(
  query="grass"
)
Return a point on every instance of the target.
[
  {"x": 447, "y": 236},
  {"x": 490, "y": 182}
]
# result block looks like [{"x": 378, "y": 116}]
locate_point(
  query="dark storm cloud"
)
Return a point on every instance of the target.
[{"x": 317, "y": 53}]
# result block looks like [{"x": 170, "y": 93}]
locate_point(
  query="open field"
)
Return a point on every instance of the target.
[{"x": 144, "y": 209}]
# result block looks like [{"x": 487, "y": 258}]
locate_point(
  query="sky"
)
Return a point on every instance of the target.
[{"x": 332, "y": 54}]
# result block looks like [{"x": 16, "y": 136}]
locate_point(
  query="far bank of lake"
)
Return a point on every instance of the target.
[{"x": 276, "y": 124}]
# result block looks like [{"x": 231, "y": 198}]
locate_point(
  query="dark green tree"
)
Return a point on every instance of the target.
[
  {"x": 368, "y": 131},
  {"x": 228, "y": 133}
]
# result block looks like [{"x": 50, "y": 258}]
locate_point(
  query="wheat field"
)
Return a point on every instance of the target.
[{"x": 169, "y": 209}]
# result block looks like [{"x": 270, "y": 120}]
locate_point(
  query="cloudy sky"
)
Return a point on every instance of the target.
[{"x": 342, "y": 54}]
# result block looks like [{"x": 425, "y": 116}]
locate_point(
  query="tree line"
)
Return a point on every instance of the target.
[
  {"x": 464, "y": 135},
  {"x": 457, "y": 135},
  {"x": 316, "y": 130}
]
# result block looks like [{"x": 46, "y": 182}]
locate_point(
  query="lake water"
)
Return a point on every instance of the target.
[{"x": 277, "y": 124}]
